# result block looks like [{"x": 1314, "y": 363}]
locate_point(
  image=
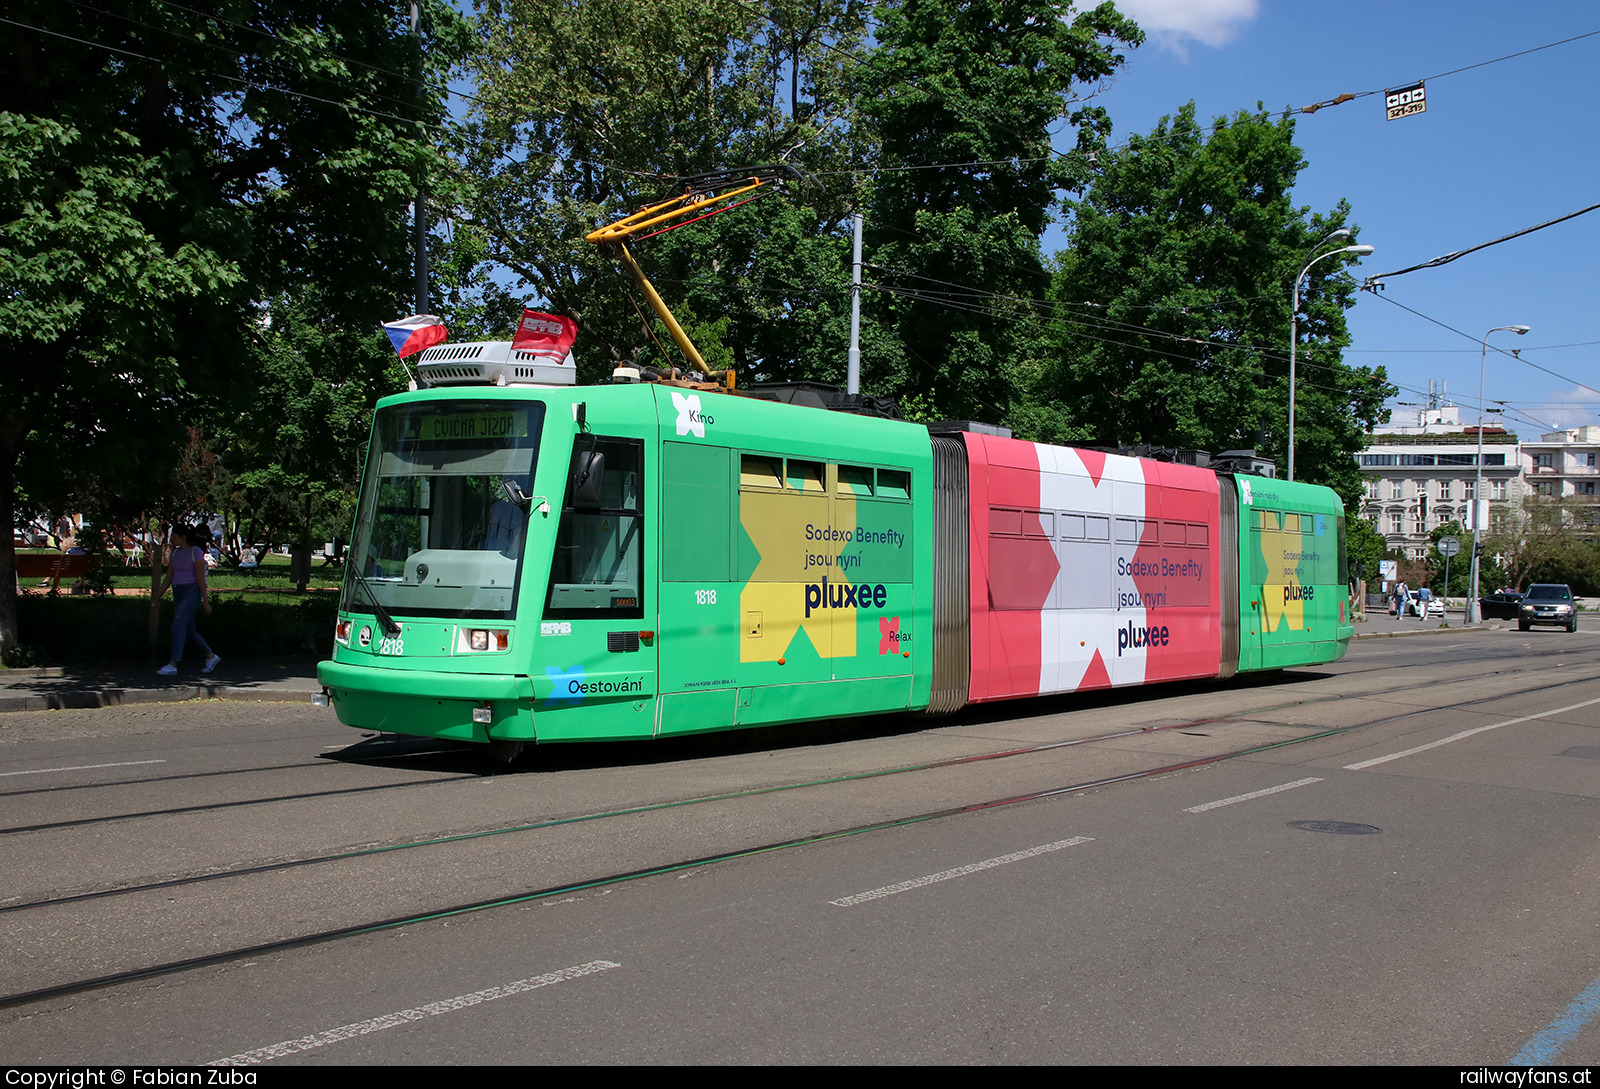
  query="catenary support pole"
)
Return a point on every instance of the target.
[{"x": 853, "y": 377}]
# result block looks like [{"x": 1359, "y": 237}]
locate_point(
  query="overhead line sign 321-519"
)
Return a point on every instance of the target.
[{"x": 1405, "y": 101}]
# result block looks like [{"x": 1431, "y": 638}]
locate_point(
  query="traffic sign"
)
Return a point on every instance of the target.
[
  {"x": 1405, "y": 101},
  {"x": 1449, "y": 546}
]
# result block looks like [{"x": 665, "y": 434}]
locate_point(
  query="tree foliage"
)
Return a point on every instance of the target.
[
  {"x": 162, "y": 171},
  {"x": 1546, "y": 539},
  {"x": 977, "y": 86},
  {"x": 1172, "y": 305},
  {"x": 590, "y": 110}
]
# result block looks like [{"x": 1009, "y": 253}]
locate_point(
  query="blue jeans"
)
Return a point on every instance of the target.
[{"x": 185, "y": 603}]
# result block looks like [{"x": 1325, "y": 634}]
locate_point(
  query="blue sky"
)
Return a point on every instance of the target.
[{"x": 1501, "y": 148}]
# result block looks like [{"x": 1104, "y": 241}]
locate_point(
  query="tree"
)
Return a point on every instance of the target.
[
  {"x": 589, "y": 110},
  {"x": 1459, "y": 567},
  {"x": 1364, "y": 545},
  {"x": 1171, "y": 304},
  {"x": 164, "y": 169},
  {"x": 975, "y": 85},
  {"x": 1544, "y": 538}
]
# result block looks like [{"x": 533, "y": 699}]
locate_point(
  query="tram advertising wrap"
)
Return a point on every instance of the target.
[{"x": 628, "y": 561}]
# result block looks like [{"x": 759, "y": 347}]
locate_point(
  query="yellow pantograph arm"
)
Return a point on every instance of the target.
[
  {"x": 680, "y": 207},
  {"x": 665, "y": 212}
]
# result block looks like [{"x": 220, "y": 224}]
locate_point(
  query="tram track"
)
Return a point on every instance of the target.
[
  {"x": 568, "y": 887},
  {"x": 472, "y": 777},
  {"x": 220, "y": 773}
]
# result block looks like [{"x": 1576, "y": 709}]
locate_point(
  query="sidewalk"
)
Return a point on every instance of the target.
[
  {"x": 111, "y": 684},
  {"x": 1379, "y": 624},
  {"x": 295, "y": 679}
]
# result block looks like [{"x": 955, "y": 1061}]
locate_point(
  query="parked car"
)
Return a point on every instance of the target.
[
  {"x": 1501, "y": 605},
  {"x": 1422, "y": 604},
  {"x": 1548, "y": 603}
]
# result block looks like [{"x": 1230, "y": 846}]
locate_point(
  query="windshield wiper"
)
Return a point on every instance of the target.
[{"x": 390, "y": 628}]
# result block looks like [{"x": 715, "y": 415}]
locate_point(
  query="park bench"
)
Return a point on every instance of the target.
[{"x": 51, "y": 566}]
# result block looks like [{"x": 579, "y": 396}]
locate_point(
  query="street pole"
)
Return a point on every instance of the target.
[
  {"x": 1480, "y": 502},
  {"x": 853, "y": 376},
  {"x": 1294, "y": 318},
  {"x": 420, "y": 209}
]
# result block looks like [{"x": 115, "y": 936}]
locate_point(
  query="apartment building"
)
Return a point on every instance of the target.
[
  {"x": 1423, "y": 474},
  {"x": 1566, "y": 465}
]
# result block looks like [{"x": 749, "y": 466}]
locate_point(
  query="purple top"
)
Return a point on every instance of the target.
[{"x": 183, "y": 561}]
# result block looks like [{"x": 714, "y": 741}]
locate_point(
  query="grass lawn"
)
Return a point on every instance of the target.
[{"x": 273, "y": 574}]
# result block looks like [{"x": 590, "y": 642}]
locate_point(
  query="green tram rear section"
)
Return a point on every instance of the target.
[{"x": 745, "y": 562}]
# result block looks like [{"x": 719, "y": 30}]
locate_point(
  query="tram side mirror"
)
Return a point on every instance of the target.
[
  {"x": 515, "y": 494},
  {"x": 589, "y": 470}
]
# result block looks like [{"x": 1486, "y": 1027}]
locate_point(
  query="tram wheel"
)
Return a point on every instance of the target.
[{"x": 505, "y": 751}]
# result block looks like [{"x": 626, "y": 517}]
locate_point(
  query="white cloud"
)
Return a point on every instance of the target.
[
  {"x": 1567, "y": 408},
  {"x": 1172, "y": 24}
]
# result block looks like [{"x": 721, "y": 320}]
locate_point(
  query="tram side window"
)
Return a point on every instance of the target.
[{"x": 598, "y": 567}]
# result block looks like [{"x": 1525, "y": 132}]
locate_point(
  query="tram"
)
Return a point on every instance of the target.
[
  {"x": 565, "y": 563},
  {"x": 538, "y": 561}
]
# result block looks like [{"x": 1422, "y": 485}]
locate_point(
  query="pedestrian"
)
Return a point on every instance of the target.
[{"x": 186, "y": 574}]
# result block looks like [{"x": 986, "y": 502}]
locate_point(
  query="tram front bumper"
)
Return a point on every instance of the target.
[{"x": 428, "y": 703}]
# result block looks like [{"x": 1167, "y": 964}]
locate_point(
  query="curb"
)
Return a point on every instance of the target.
[
  {"x": 1423, "y": 631},
  {"x": 118, "y": 684},
  {"x": 119, "y": 697}
]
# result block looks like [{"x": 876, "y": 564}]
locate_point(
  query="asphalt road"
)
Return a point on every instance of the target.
[{"x": 1393, "y": 859}]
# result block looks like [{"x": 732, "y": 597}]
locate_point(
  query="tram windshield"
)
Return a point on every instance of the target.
[{"x": 444, "y": 510}]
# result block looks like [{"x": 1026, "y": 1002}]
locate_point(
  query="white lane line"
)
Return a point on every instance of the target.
[
  {"x": 959, "y": 871},
  {"x": 82, "y": 767},
  {"x": 416, "y": 1013},
  {"x": 1247, "y": 797},
  {"x": 1468, "y": 733}
]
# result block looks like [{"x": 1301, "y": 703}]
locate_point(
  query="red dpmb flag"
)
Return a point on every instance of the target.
[
  {"x": 549, "y": 335},
  {"x": 412, "y": 335}
]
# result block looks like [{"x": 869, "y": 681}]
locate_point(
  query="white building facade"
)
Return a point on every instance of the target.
[
  {"x": 1423, "y": 476},
  {"x": 1565, "y": 466}
]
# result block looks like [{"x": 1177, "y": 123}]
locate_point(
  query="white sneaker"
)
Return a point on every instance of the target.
[
  {"x": 211, "y": 663},
  {"x": 168, "y": 670}
]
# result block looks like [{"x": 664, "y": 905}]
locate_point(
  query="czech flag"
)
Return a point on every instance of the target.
[{"x": 412, "y": 335}]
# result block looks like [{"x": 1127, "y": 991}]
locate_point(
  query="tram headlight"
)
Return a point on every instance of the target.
[
  {"x": 478, "y": 640},
  {"x": 341, "y": 632}
]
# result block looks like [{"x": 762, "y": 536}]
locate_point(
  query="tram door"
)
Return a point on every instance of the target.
[
  {"x": 600, "y": 670},
  {"x": 698, "y": 613}
]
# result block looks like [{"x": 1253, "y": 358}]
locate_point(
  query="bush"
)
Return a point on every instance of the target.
[{"x": 97, "y": 629}]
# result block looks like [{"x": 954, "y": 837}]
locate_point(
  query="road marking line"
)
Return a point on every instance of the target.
[
  {"x": 416, "y": 1013},
  {"x": 82, "y": 767},
  {"x": 959, "y": 871},
  {"x": 1545, "y": 1048},
  {"x": 1253, "y": 794},
  {"x": 1467, "y": 733}
]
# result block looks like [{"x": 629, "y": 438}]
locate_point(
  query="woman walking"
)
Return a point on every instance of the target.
[{"x": 186, "y": 574}]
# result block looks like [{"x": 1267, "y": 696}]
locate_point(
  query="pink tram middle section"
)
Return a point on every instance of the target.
[{"x": 1089, "y": 570}]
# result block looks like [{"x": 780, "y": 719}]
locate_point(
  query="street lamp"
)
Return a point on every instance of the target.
[
  {"x": 1474, "y": 611},
  {"x": 1294, "y": 316}
]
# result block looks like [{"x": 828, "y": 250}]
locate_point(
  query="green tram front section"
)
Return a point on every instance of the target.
[
  {"x": 742, "y": 562},
  {"x": 1293, "y": 582}
]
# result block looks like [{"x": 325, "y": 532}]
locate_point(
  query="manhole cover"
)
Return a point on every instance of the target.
[{"x": 1337, "y": 828}]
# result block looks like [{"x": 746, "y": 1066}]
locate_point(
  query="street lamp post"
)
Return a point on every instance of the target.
[
  {"x": 1294, "y": 317},
  {"x": 1474, "y": 611}
]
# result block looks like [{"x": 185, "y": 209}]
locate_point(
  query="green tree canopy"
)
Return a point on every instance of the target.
[
  {"x": 163, "y": 171},
  {"x": 588, "y": 111},
  {"x": 975, "y": 86},
  {"x": 1171, "y": 305}
]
